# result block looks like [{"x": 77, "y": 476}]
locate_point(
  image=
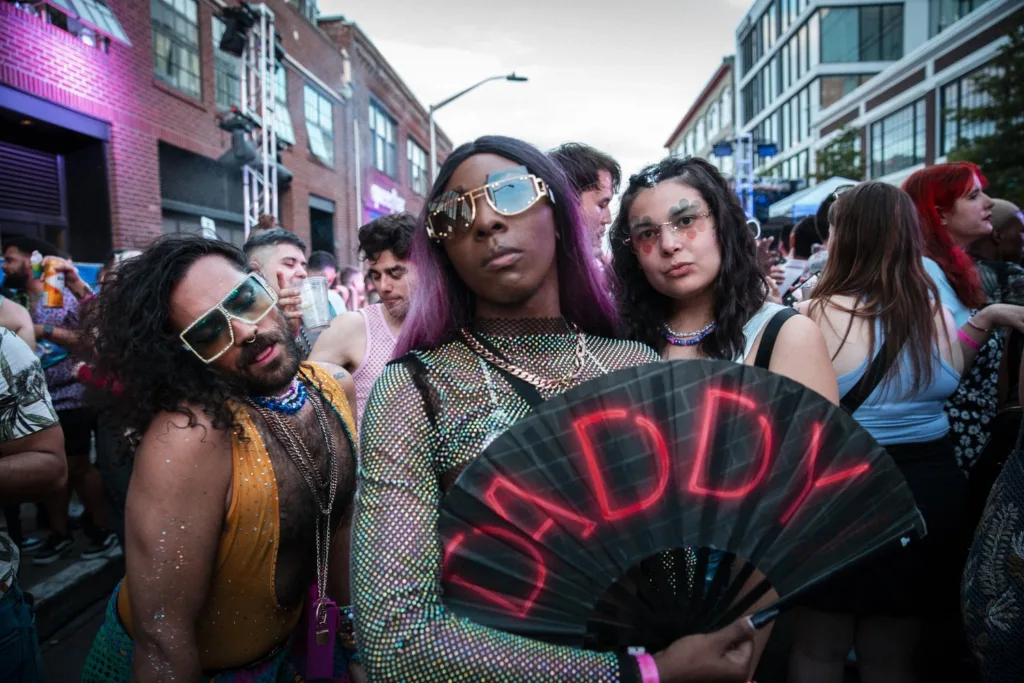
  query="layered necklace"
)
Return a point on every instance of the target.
[
  {"x": 323, "y": 492},
  {"x": 288, "y": 403},
  {"x": 546, "y": 383},
  {"x": 687, "y": 338}
]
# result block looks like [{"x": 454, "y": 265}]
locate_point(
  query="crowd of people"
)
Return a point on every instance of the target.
[{"x": 276, "y": 489}]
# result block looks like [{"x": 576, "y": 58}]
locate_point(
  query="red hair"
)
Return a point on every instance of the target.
[{"x": 935, "y": 190}]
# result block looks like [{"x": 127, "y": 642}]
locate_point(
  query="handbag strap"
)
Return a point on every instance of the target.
[
  {"x": 770, "y": 336},
  {"x": 873, "y": 376},
  {"x": 526, "y": 391}
]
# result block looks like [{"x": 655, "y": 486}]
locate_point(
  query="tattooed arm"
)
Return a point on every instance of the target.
[{"x": 344, "y": 378}]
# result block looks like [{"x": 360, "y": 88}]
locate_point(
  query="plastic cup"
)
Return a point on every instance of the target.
[{"x": 316, "y": 309}]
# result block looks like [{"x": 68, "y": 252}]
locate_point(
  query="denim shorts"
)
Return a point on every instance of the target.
[{"x": 20, "y": 658}]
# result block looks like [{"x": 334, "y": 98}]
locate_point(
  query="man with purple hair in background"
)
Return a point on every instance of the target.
[{"x": 507, "y": 289}]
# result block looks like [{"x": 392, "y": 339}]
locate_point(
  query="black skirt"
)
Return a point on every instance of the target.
[{"x": 922, "y": 578}]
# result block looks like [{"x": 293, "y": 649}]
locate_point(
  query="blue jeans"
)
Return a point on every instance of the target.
[{"x": 20, "y": 659}]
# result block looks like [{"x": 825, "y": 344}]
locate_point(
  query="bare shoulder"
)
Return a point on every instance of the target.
[
  {"x": 343, "y": 377},
  {"x": 342, "y": 342},
  {"x": 178, "y": 447},
  {"x": 800, "y": 332}
]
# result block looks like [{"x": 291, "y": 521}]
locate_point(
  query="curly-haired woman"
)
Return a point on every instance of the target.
[{"x": 689, "y": 283}]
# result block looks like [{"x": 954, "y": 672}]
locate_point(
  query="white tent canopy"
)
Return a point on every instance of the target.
[{"x": 806, "y": 202}]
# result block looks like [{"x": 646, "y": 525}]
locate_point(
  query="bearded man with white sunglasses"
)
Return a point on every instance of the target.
[{"x": 239, "y": 506}]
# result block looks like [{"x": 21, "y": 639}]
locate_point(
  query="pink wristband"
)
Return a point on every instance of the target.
[
  {"x": 648, "y": 669},
  {"x": 967, "y": 340}
]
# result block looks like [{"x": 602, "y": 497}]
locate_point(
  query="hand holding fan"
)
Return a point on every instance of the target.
[{"x": 665, "y": 500}]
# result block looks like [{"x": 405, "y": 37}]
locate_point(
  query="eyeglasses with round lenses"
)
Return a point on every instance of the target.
[
  {"x": 645, "y": 238},
  {"x": 211, "y": 335},
  {"x": 452, "y": 216}
]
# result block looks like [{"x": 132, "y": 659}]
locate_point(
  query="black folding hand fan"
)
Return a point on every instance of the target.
[{"x": 665, "y": 500}]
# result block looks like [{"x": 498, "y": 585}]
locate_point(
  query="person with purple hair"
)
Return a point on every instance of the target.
[{"x": 508, "y": 311}]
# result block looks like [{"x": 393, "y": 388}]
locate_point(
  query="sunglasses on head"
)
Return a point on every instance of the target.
[
  {"x": 840, "y": 190},
  {"x": 454, "y": 213},
  {"x": 212, "y": 334}
]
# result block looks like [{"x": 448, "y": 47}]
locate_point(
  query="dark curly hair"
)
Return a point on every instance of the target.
[
  {"x": 740, "y": 289},
  {"x": 136, "y": 343},
  {"x": 388, "y": 233}
]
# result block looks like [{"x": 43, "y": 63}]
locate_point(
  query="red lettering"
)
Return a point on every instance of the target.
[
  {"x": 655, "y": 440},
  {"x": 712, "y": 399},
  {"x": 810, "y": 483},
  {"x": 499, "y": 483},
  {"x": 520, "y": 608}
]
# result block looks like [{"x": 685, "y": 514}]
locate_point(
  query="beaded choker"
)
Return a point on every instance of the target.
[
  {"x": 288, "y": 403},
  {"x": 688, "y": 338}
]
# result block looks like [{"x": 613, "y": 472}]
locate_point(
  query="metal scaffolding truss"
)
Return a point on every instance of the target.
[{"x": 259, "y": 62}]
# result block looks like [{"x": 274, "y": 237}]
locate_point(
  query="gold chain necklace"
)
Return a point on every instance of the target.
[{"x": 540, "y": 382}]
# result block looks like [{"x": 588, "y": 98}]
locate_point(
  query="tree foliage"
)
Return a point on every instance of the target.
[
  {"x": 842, "y": 157},
  {"x": 1000, "y": 154}
]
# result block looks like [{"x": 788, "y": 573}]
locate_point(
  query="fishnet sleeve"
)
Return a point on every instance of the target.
[{"x": 403, "y": 631}]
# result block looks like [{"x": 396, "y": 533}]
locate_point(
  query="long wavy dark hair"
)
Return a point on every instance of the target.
[
  {"x": 740, "y": 288},
  {"x": 136, "y": 344},
  {"x": 441, "y": 302}
]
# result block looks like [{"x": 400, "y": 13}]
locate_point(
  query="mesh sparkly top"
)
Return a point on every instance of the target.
[{"x": 408, "y": 459}]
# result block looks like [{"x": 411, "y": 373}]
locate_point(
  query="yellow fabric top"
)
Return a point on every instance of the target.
[{"x": 242, "y": 622}]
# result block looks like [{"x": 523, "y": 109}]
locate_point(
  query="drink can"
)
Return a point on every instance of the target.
[{"x": 53, "y": 286}]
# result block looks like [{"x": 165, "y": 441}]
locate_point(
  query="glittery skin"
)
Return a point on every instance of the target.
[{"x": 406, "y": 464}]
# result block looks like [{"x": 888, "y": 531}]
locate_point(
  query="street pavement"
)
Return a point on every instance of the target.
[{"x": 65, "y": 651}]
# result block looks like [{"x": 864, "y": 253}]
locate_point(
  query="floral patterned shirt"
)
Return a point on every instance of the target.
[{"x": 25, "y": 408}]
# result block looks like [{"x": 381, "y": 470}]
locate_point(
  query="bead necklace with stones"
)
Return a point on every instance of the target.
[
  {"x": 688, "y": 338},
  {"x": 287, "y": 403}
]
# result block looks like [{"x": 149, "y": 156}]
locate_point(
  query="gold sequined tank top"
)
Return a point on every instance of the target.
[{"x": 242, "y": 621}]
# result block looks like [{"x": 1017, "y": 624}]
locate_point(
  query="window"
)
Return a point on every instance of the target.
[
  {"x": 176, "y": 44},
  {"x": 802, "y": 49},
  {"x": 839, "y": 35},
  {"x": 861, "y": 34},
  {"x": 835, "y": 88},
  {"x": 805, "y": 114},
  {"x": 91, "y": 21},
  {"x": 713, "y": 119},
  {"x": 702, "y": 139},
  {"x": 319, "y": 125},
  {"x": 382, "y": 132},
  {"x": 307, "y": 8},
  {"x": 898, "y": 140},
  {"x": 727, "y": 106},
  {"x": 417, "y": 168},
  {"x": 751, "y": 48},
  {"x": 282, "y": 117},
  {"x": 961, "y": 95},
  {"x": 944, "y": 13},
  {"x": 227, "y": 70}
]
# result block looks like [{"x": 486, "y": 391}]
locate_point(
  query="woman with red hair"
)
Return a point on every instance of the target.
[{"x": 954, "y": 212}]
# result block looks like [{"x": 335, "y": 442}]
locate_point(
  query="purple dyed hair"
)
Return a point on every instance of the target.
[{"x": 442, "y": 304}]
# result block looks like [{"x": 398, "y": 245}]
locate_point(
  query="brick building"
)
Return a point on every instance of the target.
[
  {"x": 110, "y": 137},
  {"x": 391, "y": 126}
]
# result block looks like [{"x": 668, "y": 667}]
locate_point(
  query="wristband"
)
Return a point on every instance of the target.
[
  {"x": 967, "y": 340},
  {"x": 970, "y": 321},
  {"x": 648, "y": 669}
]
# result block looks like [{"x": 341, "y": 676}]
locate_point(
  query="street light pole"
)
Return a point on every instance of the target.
[{"x": 434, "y": 107}]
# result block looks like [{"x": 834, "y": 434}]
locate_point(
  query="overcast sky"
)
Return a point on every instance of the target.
[{"x": 618, "y": 75}]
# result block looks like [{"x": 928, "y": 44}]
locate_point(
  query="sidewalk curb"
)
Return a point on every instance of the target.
[{"x": 64, "y": 596}]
